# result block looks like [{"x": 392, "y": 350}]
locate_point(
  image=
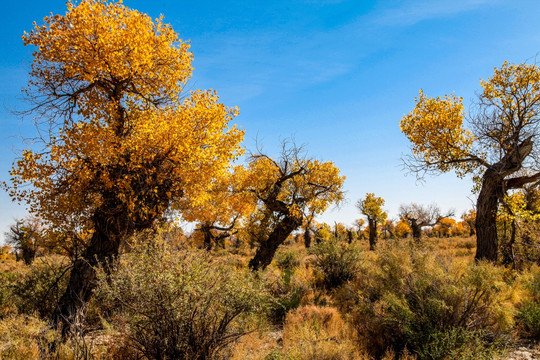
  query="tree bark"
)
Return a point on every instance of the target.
[
  {"x": 265, "y": 252},
  {"x": 416, "y": 230},
  {"x": 208, "y": 238},
  {"x": 486, "y": 216},
  {"x": 372, "y": 224},
  {"x": 307, "y": 238}
]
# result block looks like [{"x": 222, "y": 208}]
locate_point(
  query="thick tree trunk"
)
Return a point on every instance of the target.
[
  {"x": 486, "y": 216},
  {"x": 349, "y": 236},
  {"x": 307, "y": 238},
  {"x": 416, "y": 230},
  {"x": 265, "y": 253},
  {"x": 28, "y": 254},
  {"x": 70, "y": 312},
  {"x": 208, "y": 238},
  {"x": 372, "y": 224}
]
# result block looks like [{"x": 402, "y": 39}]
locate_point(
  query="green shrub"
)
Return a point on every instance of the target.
[
  {"x": 7, "y": 306},
  {"x": 287, "y": 260},
  {"x": 38, "y": 288},
  {"x": 529, "y": 313},
  {"x": 335, "y": 262},
  {"x": 410, "y": 297},
  {"x": 529, "y": 317},
  {"x": 180, "y": 304}
]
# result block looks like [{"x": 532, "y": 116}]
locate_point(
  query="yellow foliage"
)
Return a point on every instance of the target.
[
  {"x": 371, "y": 208},
  {"x": 308, "y": 186},
  {"x": 435, "y": 129},
  {"x": 130, "y": 143}
]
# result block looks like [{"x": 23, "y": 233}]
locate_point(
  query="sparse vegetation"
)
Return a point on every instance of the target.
[{"x": 107, "y": 272}]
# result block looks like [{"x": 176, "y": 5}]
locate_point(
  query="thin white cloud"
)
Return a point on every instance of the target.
[{"x": 415, "y": 11}]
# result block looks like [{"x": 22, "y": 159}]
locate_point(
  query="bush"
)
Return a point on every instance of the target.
[
  {"x": 286, "y": 294},
  {"x": 180, "y": 304},
  {"x": 409, "y": 297},
  {"x": 287, "y": 260},
  {"x": 529, "y": 312},
  {"x": 39, "y": 287},
  {"x": 335, "y": 262},
  {"x": 7, "y": 306},
  {"x": 529, "y": 317}
]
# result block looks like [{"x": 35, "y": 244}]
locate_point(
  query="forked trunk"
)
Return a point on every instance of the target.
[
  {"x": 486, "y": 217},
  {"x": 265, "y": 253}
]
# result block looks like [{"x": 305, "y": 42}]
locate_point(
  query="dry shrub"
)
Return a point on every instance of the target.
[
  {"x": 335, "y": 262},
  {"x": 313, "y": 332},
  {"x": 180, "y": 304},
  {"x": 24, "y": 337},
  {"x": 437, "y": 307},
  {"x": 39, "y": 286},
  {"x": 256, "y": 346}
]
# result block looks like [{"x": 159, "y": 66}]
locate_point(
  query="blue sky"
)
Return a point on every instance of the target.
[{"x": 337, "y": 75}]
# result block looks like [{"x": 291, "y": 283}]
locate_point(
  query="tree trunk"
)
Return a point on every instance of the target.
[
  {"x": 208, "y": 238},
  {"x": 307, "y": 238},
  {"x": 70, "y": 312},
  {"x": 265, "y": 253},
  {"x": 416, "y": 230},
  {"x": 350, "y": 235},
  {"x": 372, "y": 224},
  {"x": 486, "y": 216},
  {"x": 28, "y": 254}
]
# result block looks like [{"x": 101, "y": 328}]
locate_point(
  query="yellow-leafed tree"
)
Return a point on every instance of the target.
[
  {"x": 371, "y": 207},
  {"x": 126, "y": 142},
  {"x": 285, "y": 189},
  {"x": 226, "y": 204},
  {"x": 500, "y": 141}
]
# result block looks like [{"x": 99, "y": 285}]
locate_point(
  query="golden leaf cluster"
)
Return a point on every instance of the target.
[
  {"x": 435, "y": 129},
  {"x": 371, "y": 207}
]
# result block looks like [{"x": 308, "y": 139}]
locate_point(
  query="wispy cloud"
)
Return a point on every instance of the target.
[{"x": 413, "y": 12}]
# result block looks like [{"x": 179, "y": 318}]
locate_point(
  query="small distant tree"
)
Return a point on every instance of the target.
[
  {"x": 307, "y": 226},
  {"x": 388, "y": 229},
  {"x": 370, "y": 206},
  {"x": 359, "y": 227},
  {"x": 419, "y": 216},
  {"x": 218, "y": 215},
  {"x": 285, "y": 189},
  {"x": 402, "y": 229},
  {"x": 445, "y": 227},
  {"x": 25, "y": 237},
  {"x": 469, "y": 218}
]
